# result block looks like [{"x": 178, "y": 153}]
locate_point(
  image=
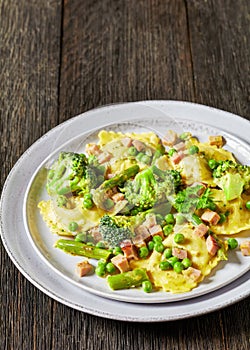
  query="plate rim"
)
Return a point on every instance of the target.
[{"x": 50, "y": 132}]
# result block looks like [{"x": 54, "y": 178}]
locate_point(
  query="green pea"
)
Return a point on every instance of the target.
[
  {"x": 81, "y": 237},
  {"x": 143, "y": 252},
  {"x": 159, "y": 247},
  {"x": 165, "y": 265},
  {"x": 179, "y": 238},
  {"x": 139, "y": 156},
  {"x": 186, "y": 262},
  {"x": 100, "y": 244},
  {"x": 100, "y": 271},
  {"x": 178, "y": 267},
  {"x": 180, "y": 219},
  {"x": 151, "y": 245},
  {"x": 167, "y": 229},
  {"x": 110, "y": 267},
  {"x": 193, "y": 149},
  {"x": 169, "y": 218},
  {"x": 212, "y": 164},
  {"x": 132, "y": 151},
  {"x": 87, "y": 196},
  {"x": 171, "y": 152},
  {"x": 88, "y": 203},
  {"x": 73, "y": 226},
  {"x": 167, "y": 253},
  {"x": 248, "y": 205},
  {"x": 117, "y": 250},
  {"x": 173, "y": 260},
  {"x": 146, "y": 159},
  {"x": 232, "y": 243},
  {"x": 147, "y": 286},
  {"x": 222, "y": 218},
  {"x": 185, "y": 135},
  {"x": 102, "y": 263},
  {"x": 157, "y": 239}
]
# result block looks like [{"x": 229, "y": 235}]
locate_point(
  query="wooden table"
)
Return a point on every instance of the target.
[{"x": 61, "y": 58}]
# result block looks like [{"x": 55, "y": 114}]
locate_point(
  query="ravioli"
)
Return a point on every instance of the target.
[
  {"x": 238, "y": 218},
  {"x": 58, "y": 219},
  {"x": 171, "y": 281}
]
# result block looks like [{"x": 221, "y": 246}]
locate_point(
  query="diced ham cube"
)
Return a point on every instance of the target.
[
  {"x": 245, "y": 248},
  {"x": 118, "y": 197},
  {"x": 96, "y": 234},
  {"x": 104, "y": 157},
  {"x": 211, "y": 217},
  {"x": 138, "y": 145},
  {"x": 129, "y": 250},
  {"x": 121, "y": 262},
  {"x": 170, "y": 138},
  {"x": 127, "y": 142},
  {"x": 179, "y": 253},
  {"x": 216, "y": 141},
  {"x": 201, "y": 230},
  {"x": 93, "y": 149},
  {"x": 84, "y": 268},
  {"x": 156, "y": 230},
  {"x": 177, "y": 157},
  {"x": 150, "y": 221},
  {"x": 142, "y": 234},
  {"x": 212, "y": 245},
  {"x": 192, "y": 273},
  {"x": 180, "y": 146}
]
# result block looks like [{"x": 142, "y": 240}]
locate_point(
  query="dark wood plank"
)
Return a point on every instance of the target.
[
  {"x": 29, "y": 66},
  {"x": 220, "y": 41},
  {"x": 117, "y": 51}
]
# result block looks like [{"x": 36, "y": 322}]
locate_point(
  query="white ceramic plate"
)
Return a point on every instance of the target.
[{"x": 46, "y": 270}]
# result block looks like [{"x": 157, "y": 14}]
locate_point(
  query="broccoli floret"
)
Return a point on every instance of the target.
[
  {"x": 232, "y": 177},
  {"x": 71, "y": 173},
  {"x": 141, "y": 191},
  {"x": 188, "y": 200},
  {"x": 66, "y": 173},
  {"x": 151, "y": 187},
  {"x": 111, "y": 233}
]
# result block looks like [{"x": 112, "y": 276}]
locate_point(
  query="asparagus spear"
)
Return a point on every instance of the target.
[
  {"x": 120, "y": 178},
  {"x": 79, "y": 248},
  {"x": 128, "y": 279}
]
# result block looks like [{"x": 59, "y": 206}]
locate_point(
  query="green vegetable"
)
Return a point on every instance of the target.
[
  {"x": 73, "y": 226},
  {"x": 100, "y": 271},
  {"x": 223, "y": 218},
  {"x": 82, "y": 249},
  {"x": 185, "y": 135},
  {"x": 100, "y": 245},
  {"x": 179, "y": 238},
  {"x": 171, "y": 152},
  {"x": 212, "y": 164},
  {"x": 132, "y": 151},
  {"x": 143, "y": 252},
  {"x": 167, "y": 229},
  {"x": 193, "y": 149},
  {"x": 196, "y": 220},
  {"x": 248, "y": 205},
  {"x": 172, "y": 260},
  {"x": 232, "y": 178},
  {"x": 188, "y": 200},
  {"x": 167, "y": 253},
  {"x": 128, "y": 279},
  {"x": 147, "y": 286},
  {"x": 165, "y": 265},
  {"x": 186, "y": 262},
  {"x": 81, "y": 237},
  {"x": 112, "y": 233},
  {"x": 180, "y": 219},
  {"x": 110, "y": 267},
  {"x": 178, "y": 267},
  {"x": 169, "y": 218},
  {"x": 151, "y": 245},
  {"x": 159, "y": 247},
  {"x": 232, "y": 243},
  {"x": 157, "y": 239}
]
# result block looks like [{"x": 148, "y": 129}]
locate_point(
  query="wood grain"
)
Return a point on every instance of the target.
[{"x": 60, "y": 58}]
